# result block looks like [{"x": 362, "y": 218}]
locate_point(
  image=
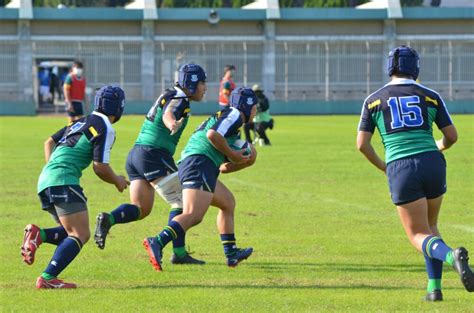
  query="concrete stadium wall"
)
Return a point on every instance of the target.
[
  {"x": 17, "y": 108},
  {"x": 332, "y": 55}
]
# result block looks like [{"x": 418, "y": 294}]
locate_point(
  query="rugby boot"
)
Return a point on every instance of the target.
[
  {"x": 102, "y": 228},
  {"x": 154, "y": 249},
  {"x": 237, "y": 256},
  {"x": 54, "y": 283},
  {"x": 435, "y": 295},
  {"x": 187, "y": 259},
  {"x": 461, "y": 266},
  {"x": 31, "y": 242}
]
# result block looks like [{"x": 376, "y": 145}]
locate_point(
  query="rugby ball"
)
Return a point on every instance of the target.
[{"x": 240, "y": 144}]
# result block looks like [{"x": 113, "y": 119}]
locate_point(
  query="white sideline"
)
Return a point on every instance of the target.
[
  {"x": 321, "y": 199},
  {"x": 468, "y": 229}
]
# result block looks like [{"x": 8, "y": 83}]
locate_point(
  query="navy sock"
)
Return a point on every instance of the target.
[
  {"x": 125, "y": 213},
  {"x": 228, "y": 241},
  {"x": 66, "y": 251},
  {"x": 171, "y": 232},
  {"x": 53, "y": 235},
  {"x": 435, "y": 248},
  {"x": 180, "y": 241},
  {"x": 434, "y": 268}
]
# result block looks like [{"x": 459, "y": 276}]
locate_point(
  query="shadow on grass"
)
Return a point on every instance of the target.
[
  {"x": 299, "y": 267},
  {"x": 337, "y": 267},
  {"x": 271, "y": 287}
]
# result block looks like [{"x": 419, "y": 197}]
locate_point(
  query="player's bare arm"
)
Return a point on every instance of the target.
[
  {"x": 169, "y": 118},
  {"x": 219, "y": 142},
  {"x": 107, "y": 174},
  {"x": 48, "y": 148},
  {"x": 450, "y": 136},
  {"x": 67, "y": 96},
  {"x": 364, "y": 146},
  {"x": 229, "y": 167}
]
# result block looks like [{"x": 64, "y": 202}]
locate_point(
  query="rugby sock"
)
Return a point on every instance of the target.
[
  {"x": 435, "y": 248},
  {"x": 172, "y": 231},
  {"x": 180, "y": 251},
  {"x": 125, "y": 213},
  {"x": 434, "y": 268},
  {"x": 228, "y": 241},
  {"x": 47, "y": 276},
  {"x": 66, "y": 251},
  {"x": 53, "y": 235},
  {"x": 178, "y": 243}
]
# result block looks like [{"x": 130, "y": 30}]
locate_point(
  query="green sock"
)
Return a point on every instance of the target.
[
  {"x": 433, "y": 284},
  {"x": 450, "y": 258},
  {"x": 180, "y": 251},
  {"x": 42, "y": 235},
  {"x": 47, "y": 276},
  {"x": 111, "y": 219}
]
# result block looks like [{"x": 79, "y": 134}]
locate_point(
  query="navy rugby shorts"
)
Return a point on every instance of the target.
[
  {"x": 149, "y": 163},
  {"x": 61, "y": 194},
  {"x": 78, "y": 109},
  {"x": 417, "y": 176},
  {"x": 198, "y": 172}
]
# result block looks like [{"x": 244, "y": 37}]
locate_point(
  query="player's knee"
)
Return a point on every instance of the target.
[
  {"x": 144, "y": 211},
  {"x": 229, "y": 205}
]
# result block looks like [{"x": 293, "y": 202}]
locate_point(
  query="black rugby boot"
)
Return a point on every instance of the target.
[{"x": 461, "y": 266}]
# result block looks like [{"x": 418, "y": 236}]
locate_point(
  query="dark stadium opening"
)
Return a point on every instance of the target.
[{"x": 49, "y": 75}]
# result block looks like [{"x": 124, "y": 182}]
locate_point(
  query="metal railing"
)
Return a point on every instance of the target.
[{"x": 307, "y": 68}]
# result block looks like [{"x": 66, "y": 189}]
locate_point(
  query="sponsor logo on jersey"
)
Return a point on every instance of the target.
[
  {"x": 434, "y": 101},
  {"x": 374, "y": 104}
]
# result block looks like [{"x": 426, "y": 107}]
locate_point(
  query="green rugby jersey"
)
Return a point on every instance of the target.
[
  {"x": 154, "y": 131},
  {"x": 403, "y": 111},
  {"x": 263, "y": 109},
  {"x": 87, "y": 139},
  {"x": 262, "y": 117},
  {"x": 226, "y": 122}
]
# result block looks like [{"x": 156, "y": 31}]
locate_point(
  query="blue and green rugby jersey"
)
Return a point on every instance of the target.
[{"x": 403, "y": 111}]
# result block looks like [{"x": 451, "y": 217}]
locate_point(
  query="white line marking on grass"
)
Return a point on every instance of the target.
[
  {"x": 466, "y": 228},
  {"x": 318, "y": 197}
]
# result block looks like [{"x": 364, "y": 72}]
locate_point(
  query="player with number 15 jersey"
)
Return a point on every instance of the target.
[{"x": 404, "y": 111}]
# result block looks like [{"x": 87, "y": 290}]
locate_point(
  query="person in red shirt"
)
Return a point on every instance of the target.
[
  {"x": 74, "y": 92},
  {"x": 226, "y": 86}
]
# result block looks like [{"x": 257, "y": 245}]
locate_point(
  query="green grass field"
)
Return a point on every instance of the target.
[{"x": 319, "y": 216}]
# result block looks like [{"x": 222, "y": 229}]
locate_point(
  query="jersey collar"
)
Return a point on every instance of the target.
[
  {"x": 402, "y": 81},
  {"x": 104, "y": 117},
  {"x": 180, "y": 92}
]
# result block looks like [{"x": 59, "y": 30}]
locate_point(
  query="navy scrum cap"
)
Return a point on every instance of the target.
[
  {"x": 403, "y": 60},
  {"x": 189, "y": 76},
  {"x": 110, "y": 100},
  {"x": 243, "y": 99}
]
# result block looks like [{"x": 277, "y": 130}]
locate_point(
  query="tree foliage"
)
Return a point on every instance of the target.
[
  {"x": 213, "y": 3},
  {"x": 80, "y": 3},
  {"x": 202, "y": 3},
  {"x": 320, "y": 3}
]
